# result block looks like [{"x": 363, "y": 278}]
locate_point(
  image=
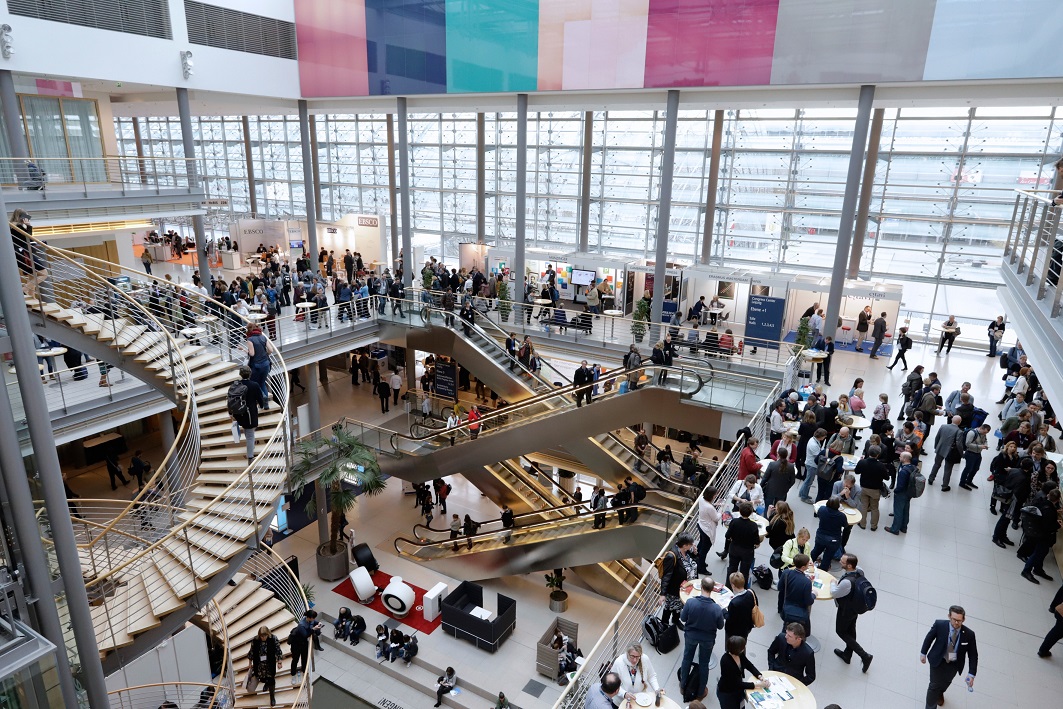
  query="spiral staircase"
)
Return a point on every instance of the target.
[{"x": 152, "y": 564}]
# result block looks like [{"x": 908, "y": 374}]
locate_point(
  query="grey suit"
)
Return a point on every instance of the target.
[
  {"x": 949, "y": 441},
  {"x": 878, "y": 333}
]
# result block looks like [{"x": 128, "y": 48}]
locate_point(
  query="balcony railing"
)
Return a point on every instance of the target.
[{"x": 1033, "y": 248}]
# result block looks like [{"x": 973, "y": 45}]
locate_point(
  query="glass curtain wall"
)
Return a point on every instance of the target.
[{"x": 940, "y": 206}]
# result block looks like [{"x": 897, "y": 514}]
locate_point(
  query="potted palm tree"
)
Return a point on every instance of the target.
[
  {"x": 505, "y": 306},
  {"x": 341, "y": 458},
  {"x": 558, "y": 598},
  {"x": 640, "y": 317},
  {"x": 803, "y": 337}
]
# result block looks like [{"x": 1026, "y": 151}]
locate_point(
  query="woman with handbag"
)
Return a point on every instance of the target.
[
  {"x": 998, "y": 469},
  {"x": 780, "y": 531},
  {"x": 265, "y": 656}
]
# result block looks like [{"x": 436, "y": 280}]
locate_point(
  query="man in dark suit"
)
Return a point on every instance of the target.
[
  {"x": 946, "y": 648},
  {"x": 797, "y": 593},
  {"x": 790, "y": 654}
]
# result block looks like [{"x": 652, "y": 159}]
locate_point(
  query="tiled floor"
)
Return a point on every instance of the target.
[{"x": 946, "y": 558}]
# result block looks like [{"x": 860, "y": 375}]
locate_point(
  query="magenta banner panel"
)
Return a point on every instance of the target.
[
  {"x": 698, "y": 43},
  {"x": 332, "y": 48}
]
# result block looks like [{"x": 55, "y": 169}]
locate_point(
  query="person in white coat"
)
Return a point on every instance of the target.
[{"x": 636, "y": 674}]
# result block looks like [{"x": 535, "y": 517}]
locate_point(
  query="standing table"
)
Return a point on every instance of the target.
[{"x": 613, "y": 315}]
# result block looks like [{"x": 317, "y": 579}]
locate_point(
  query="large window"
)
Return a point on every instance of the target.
[{"x": 940, "y": 205}]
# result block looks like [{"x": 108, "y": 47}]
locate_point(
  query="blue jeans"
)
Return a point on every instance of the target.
[
  {"x": 259, "y": 372},
  {"x": 806, "y": 485},
  {"x": 970, "y": 469},
  {"x": 704, "y": 648},
  {"x": 992, "y": 346},
  {"x": 902, "y": 505},
  {"x": 828, "y": 546}
]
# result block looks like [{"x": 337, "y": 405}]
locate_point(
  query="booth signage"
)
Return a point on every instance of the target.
[
  {"x": 764, "y": 317},
  {"x": 446, "y": 380},
  {"x": 368, "y": 221},
  {"x": 675, "y": 272},
  {"x": 331, "y": 230}
]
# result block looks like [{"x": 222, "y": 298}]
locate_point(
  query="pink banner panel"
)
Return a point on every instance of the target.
[
  {"x": 333, "y": 60},
  {"x": 592, "y": 44},
  {"x": 710, "y": 42},
  {"x": 51, "y": 87}
]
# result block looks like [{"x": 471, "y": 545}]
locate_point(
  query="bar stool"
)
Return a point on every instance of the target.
[{"x": 847, "y": 335}]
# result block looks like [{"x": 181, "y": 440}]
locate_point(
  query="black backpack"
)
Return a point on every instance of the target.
[
  {"x": 663, "y": 638},
  {"x": 863, "y": 595},
  {"x": 692, "y": 689},
  {"x": 236, "y": 400},
  {"x": 639, "y": 492},
  {"x": 763, "y": 577}
]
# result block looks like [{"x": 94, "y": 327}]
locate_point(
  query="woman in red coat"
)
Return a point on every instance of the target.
[{"x": 748, "y": 461}]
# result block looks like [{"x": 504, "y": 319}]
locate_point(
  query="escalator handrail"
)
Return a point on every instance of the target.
[
  {"x": 657, "y": 473},
  {"x": 561, "y": 392},
  {"x": 641, "y": 506},
  {"x": 556, "y": 508}
]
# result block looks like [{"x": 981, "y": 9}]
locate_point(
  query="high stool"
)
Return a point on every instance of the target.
[{"x": 847, "y": 335}]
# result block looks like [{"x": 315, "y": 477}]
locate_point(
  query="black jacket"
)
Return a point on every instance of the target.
[
  {"x": 935, "y": 642},
  {"x": 740, "y": 614},
  {"x": 798, "y": 662}
]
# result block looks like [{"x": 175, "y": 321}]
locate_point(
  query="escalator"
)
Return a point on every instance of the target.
[
  {"x": 538, "y": 545},
  {"x": 543, "y": 421}
]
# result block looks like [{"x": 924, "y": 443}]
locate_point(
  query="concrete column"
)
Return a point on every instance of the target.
[
  {"x": 34, "y": 562},
  {"x": 308, "y": 185},
  {"x": 250, "y": 161},
  {"x": 845, "y": 226},
  {"x": 404, "y": 180},
  {"x": 714, "y": 182},
  {"x": 191, "y": 168},
  {"x": 320, "y": 495},
  {"x": 46, "y": 457},
  {"x": 393, "y": 196},
  {"x": 864, "y": 207},
  {"x": 12, "y": 116},
  {"x": 664, "y": 210},
  {"x": 481, "y": 178},
  {"x": 521, "y": 199},
  {"x": 313, "y": 386},
  {"x": 585, "y": 182},
  {"x": 315, "y": 163}
]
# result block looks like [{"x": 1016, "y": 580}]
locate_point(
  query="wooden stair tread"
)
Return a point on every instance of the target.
[
  {"x": 235, "y": 528},
  {"x": 181, "y": 579},
  {"x": 139, "y": 615},
  {"x": 220, "y": 546},
  {"x": 203, "y": 564}
]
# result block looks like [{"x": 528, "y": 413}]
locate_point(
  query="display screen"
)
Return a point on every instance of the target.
[
  {"x": 583, "y": 278},
  {"x": 296, "y": 244}
]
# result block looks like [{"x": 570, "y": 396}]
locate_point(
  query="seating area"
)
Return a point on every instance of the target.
[
  {"x": 465, "y": 617},
  {"x": 545, "y": 655}
]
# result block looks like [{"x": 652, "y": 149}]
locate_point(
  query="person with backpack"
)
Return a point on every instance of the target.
[
  {"x": 242, "y": 401},
  {"x": 906, "y": 489},
  {"x": 443, "y": 493},
  {"x": 912, "y": 384},
  {"x": 854, "y": 595},
  {"x": 701, "y": 617},
  {"x": 904, "y": 343},
  {"x": 1040, "y": 525},
  {"x": 676, "y": 567},
  {"x": 975, "y": 441}
]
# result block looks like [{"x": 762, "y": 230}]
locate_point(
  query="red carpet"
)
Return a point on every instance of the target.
[{"x": 414, "y": 619}]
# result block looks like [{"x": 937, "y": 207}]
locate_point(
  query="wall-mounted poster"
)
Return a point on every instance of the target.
[
  {"x": 760, "y": 290},
  {"x": 725, "y": 289}
]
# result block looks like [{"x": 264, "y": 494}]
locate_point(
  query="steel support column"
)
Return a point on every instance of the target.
[
  {"x": 35, "y": 563},
  {"x": 308, "y": 182},
  {"x": 46, "y": 457},
  {"x": 864, "y": 206},
  {"x": 189, "y": 142},
  {"x": 481, "y": 178},
  {"x": 585, "y": 183},
  {"x": 16, "y": 139},
  {"x": 713, "y": 188},
  {"x": 138, "y": 140},
  {"x": 404, "y": 180},
  {"x": 845, "y": 226},
  {"x": 250, "y": 162},
  {"x": 521, "y": 199},
  {"x": 315, "y": 164},
  {"x": 664, "y": 209},
  {"x": 393, "y": 197}
]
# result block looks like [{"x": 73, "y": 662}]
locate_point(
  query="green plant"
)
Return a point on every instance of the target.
[
  {"x": 308, "y": 591},
  {"x": 427, "y": 279},
  {"x": 346, "y": 459},
  {"x": 555, "y": 581},
  {"x": 803, "y": 339},
  {"x": 640, "y": 317},
  {"x": 505, "y": 306}
]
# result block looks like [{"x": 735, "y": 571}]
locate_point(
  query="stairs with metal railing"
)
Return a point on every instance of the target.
[{"x": 149, "y": 565}]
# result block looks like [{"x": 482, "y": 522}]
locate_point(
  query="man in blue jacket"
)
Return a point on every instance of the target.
[
  {"x": 797, "y": 593},
  {"x": 701, "y": 618},
  {"x": 946, "y": 648}
]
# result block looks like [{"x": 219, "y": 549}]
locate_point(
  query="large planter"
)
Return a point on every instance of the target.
[
  {"x": 558, "y": 601},
  {"x": 332, "y": 567}
]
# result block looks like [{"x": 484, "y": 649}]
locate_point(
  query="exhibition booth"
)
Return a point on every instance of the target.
[
  {"x": 882, "y": 297},
  {"x": 359, "y": 233}
]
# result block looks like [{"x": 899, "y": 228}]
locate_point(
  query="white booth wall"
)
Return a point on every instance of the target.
[{"x": 882, "y": 297}]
